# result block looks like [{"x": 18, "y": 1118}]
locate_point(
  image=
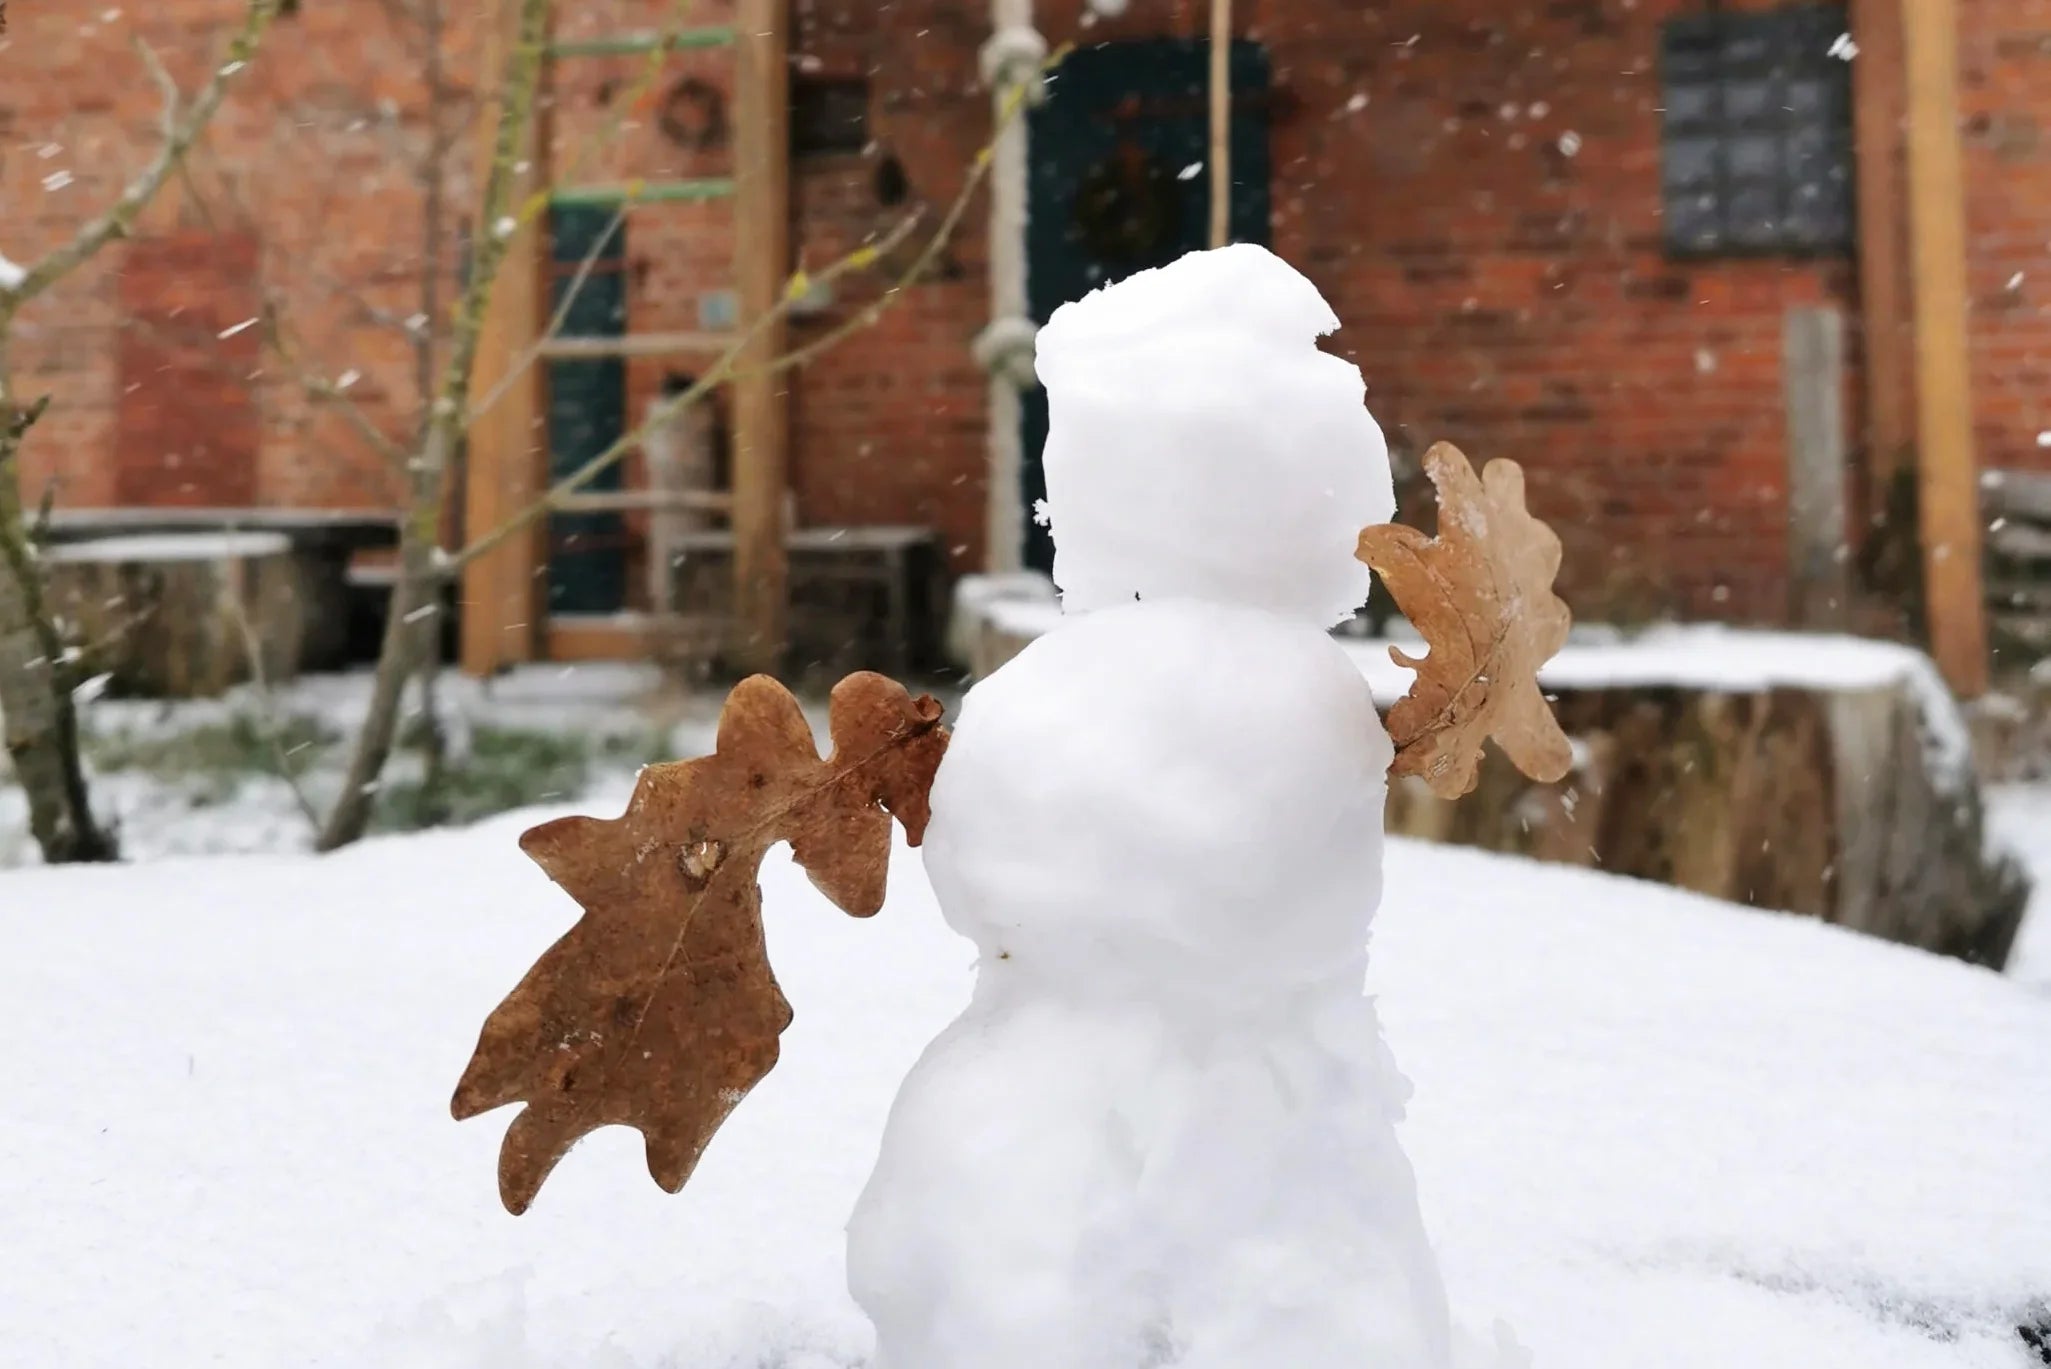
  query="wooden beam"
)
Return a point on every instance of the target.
[
  {"x": 615, "y": 637},
  {"x": 761, "y": 263},
  {"x": 1221, "y": 122},
  {"x": 506, "y": 461},
  {"x": 1887, "y": 326},
  {"x": 646, "y": 501},
  {"x": 1814, "y": 378},
  {"x": 700, "y": 190},
  {"x": 561, "y": 348},
  {"x": 1948, "y": 483},
  {"x": 634, "y": 44}
]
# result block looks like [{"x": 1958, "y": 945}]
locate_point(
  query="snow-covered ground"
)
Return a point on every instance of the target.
[
  {"x": 1649, "y": 1129},
  {"x": 160, "y": 777}
]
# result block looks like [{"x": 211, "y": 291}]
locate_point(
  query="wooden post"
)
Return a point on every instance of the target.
[
  {"x": 679, "y": 454},
  {"x": 1221, "y": 122},
  {"x": 1814, "y": 377},
  {"x": 1948, "y": 470},
  {"x": 507, "y": 458},
  {"x": 761, "y": 264},
  {"x": 1883, "y": 246}
]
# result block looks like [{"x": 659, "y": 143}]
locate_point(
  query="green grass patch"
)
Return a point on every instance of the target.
[{"x": 512, "y": 768}]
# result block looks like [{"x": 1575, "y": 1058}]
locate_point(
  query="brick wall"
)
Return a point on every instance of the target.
[
  {"x": 311, "y": 167},
  {"x": 1498, "y": 290},
  {"x": 1503, "y": 283},
  {"x": 187, "y": 430},
  {"x": 2005, "y": 98}
]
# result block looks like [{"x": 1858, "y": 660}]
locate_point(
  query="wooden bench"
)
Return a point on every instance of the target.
[{"x": 860, "y": 597}]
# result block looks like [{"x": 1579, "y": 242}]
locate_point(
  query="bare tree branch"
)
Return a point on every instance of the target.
[
  {"x": 556, "y": 321},
  {"x": 36, "y": 706},
  {"x": 321, "y": 387},
  {"x": 724, "y": 369},
  {"x": 420, "y": 529},
  {"x": 267, "y": 713},
  {"x": 184, "y": 129},
  {"x": 166, "y": 87}
]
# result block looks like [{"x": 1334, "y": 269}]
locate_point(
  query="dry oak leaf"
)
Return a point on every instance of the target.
[
  {"x": 1481, "y": 594},
  {"x": 658, "y": 1009}
]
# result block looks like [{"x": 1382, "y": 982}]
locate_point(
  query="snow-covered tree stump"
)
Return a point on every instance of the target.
[
  {"x": 1845, "y": 803},
  {"x": 172, "y": 616}
]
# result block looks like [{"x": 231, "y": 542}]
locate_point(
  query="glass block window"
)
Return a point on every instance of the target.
[{"x": 1757, "y": 132}]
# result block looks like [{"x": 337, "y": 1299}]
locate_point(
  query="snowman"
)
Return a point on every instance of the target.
[
  {"x": 1163, "y": 1134},
  {"x": 1164, "y": 1131}
]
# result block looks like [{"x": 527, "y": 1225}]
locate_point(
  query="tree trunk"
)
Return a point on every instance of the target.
[
  {"x": 395, "y": 665},
  {"x": 35, "y": 697},
  {"x": 422, "y": 566}
]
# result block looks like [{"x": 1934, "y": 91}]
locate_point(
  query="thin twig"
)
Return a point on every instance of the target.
[
  {"x": 724, "y": 369},
  {"x": 323, "y": 388},
  {"x": 267, "y": 714},
  {"x": 166, "y": 87},
  {"x": 537, "y": 202},
  {"x": 556, "y": 321},
  {"x": 119, "y": 221}
]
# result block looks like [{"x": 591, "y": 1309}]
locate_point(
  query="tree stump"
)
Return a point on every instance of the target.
[
  {"x": 170, "y": 616},
  {"x": 1837, "y": 803}
]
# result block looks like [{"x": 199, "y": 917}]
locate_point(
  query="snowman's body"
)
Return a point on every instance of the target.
[{"x": 1163, "y": 1134}]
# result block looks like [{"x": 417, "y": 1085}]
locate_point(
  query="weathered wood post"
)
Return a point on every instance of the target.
[
  {"x": 679, "y": 450},
  {"x": 761, "y": 262},
  {"x": 1221, "y": 122},
  {"x": 1949, "y": 503},
  {"x": 1813, "y": 375}
]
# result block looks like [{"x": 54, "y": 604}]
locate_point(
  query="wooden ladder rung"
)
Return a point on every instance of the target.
[
  {"x": 629, "y": 44},
  {"x": 699, "y": 190},
  {"x": 642, "y": 501},
  {"x": 635, "y": 345}
]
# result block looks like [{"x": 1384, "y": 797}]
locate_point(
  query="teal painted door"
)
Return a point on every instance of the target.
[
  {"x": 1118, "y": 184},
  {"x": 587, "y": 411}
]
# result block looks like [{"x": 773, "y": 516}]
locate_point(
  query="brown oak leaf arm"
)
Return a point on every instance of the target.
[
  {"x": 658, "y": 1010},
  {"x": 1481, "y": 594}
]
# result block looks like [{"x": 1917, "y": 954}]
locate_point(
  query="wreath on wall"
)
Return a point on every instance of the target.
[
  {"x": 693, "y": 115},
  {"x": 1128, "y": 207}
]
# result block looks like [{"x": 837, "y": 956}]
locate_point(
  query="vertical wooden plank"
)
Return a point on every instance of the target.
[
  {"x": 1948, "y": 482},
  {"x": 761, "y": 264},
  {"x": 502, "y": 590},
  {"x": 1221, "y": 122},
  {"x": 1814, "y": 376},
  {"x": 679, "y": 453},
  {"x": 1889, "y": 341}
]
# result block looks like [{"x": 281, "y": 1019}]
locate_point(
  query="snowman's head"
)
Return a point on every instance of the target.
[{"x": 1202, "y": 447}]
